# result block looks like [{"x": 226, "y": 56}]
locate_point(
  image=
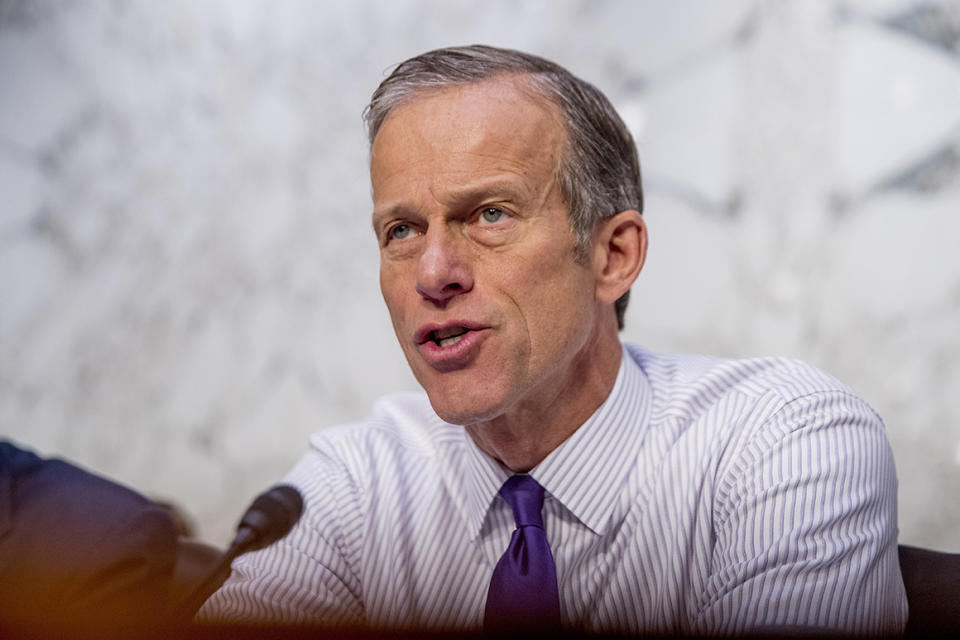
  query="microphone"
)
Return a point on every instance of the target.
[{"x": 270, "y": 517}]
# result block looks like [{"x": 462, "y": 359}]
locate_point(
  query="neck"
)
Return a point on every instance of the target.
[{"x": 523, "y": 437}]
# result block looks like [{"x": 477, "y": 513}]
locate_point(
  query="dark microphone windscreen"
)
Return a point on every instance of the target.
[{"x": 272, "y": 515}]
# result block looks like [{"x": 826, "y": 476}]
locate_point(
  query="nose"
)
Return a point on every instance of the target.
[{"x": 443, "y": 272}]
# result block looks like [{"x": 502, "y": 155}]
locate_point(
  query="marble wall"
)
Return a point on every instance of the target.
[{"x": 188, "y": 279}]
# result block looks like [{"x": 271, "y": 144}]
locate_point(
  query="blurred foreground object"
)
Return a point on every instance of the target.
[
  {"x": 77, "y": 549},
  {"x": 932, "y": 580}
]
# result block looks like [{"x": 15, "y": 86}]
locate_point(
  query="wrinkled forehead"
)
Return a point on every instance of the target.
[
  {"x": 447, "y": 134},
  {"x": 510, "y": 99}
]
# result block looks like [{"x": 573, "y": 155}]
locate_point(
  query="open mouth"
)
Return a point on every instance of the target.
[
  {"x": 451, "y": 346},
  {"x": 448, "y": 336}
]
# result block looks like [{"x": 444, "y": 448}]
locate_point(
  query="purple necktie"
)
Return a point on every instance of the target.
[{"x": 523, "y": 590}]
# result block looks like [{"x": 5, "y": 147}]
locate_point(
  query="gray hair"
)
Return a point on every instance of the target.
[{"x": 598, "y": 172}]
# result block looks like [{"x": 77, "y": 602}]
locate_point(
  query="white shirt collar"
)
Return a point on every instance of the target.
[{"x": 585, "y": 473}]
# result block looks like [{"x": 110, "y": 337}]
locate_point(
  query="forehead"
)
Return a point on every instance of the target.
[{"x": 455, "y": 133}]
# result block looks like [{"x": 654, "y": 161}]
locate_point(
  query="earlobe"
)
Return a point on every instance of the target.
[{"x": 619, "y": 251}]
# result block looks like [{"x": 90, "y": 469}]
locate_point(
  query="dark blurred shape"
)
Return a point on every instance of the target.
[
  {"x": 183, "y": 522},
  {"x": 932, "y": 581},
  {"x": 77, "y": 550},
  {"x": 196, "y": 562},
  {"x": 936, "y": 23}
]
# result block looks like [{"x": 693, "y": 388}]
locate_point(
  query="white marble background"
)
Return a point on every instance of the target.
[{"x": 188, "y": 277}]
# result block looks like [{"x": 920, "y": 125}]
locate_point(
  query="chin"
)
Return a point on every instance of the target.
[
  {"x": 457, "y": 409},
  {"x": 467, "y": 396}
]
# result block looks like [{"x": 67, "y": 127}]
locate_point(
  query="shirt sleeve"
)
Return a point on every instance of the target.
[
  {"x": 308, "y": 576},
  {"x": 805, "y": 526}
]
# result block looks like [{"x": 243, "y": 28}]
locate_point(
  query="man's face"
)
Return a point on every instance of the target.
[{"x": 477, "y": 262}]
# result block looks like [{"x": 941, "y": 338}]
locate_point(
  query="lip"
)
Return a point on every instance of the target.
[{"x": 454, "y": 356}]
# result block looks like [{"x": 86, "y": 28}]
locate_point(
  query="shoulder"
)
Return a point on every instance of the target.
[
  {"x": 787, "y": 376},
  {"x": 687, "y": 384},
  {"x": 738, "y": 413},
  {"x": 402, "y": 438},
  {"x": 400, "y": 424}
]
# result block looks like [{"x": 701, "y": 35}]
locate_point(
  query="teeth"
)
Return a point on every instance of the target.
[
  {"x": 446, "y": 342},
  {"x": 448, "y": 332}
]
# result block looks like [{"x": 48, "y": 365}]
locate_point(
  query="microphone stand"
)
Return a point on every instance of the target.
[
  {"x": 188, "y": 607},
  {"x": 269, "y": 518}
]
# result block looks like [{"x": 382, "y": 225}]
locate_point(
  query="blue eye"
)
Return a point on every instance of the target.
[
  {"x": 399, "y": 232},
  {"x": 492, "y": 214}
]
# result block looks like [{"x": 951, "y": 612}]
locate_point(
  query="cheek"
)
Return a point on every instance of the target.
[
  {"x": 557, "y": 304},
  {"x": 559, "y": 315},
  {"x": 392, "y": 291}
]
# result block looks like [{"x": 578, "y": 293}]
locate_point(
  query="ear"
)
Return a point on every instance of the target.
[{"x": 619, "y": 249}]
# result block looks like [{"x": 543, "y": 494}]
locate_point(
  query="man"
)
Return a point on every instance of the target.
[
  {"x": 77, "y": 549},
  {"x": 552, "y": 475}
]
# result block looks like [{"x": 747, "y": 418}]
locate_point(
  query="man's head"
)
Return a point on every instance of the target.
[
  {"x": 501, "y": 305},
  {"x": 598, "y": 170}
]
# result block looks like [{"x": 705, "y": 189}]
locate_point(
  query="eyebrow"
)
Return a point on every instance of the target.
[
  {"x": 393, "y": 211},
  {"x": 501, "y": 189},
  {"x": 505, "y": 190}
]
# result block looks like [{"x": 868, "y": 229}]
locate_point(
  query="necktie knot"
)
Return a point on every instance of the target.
[{"x": 525, "y": 497}]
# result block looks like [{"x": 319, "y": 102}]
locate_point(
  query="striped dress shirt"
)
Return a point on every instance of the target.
[{"x": 704, "y": 496}]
